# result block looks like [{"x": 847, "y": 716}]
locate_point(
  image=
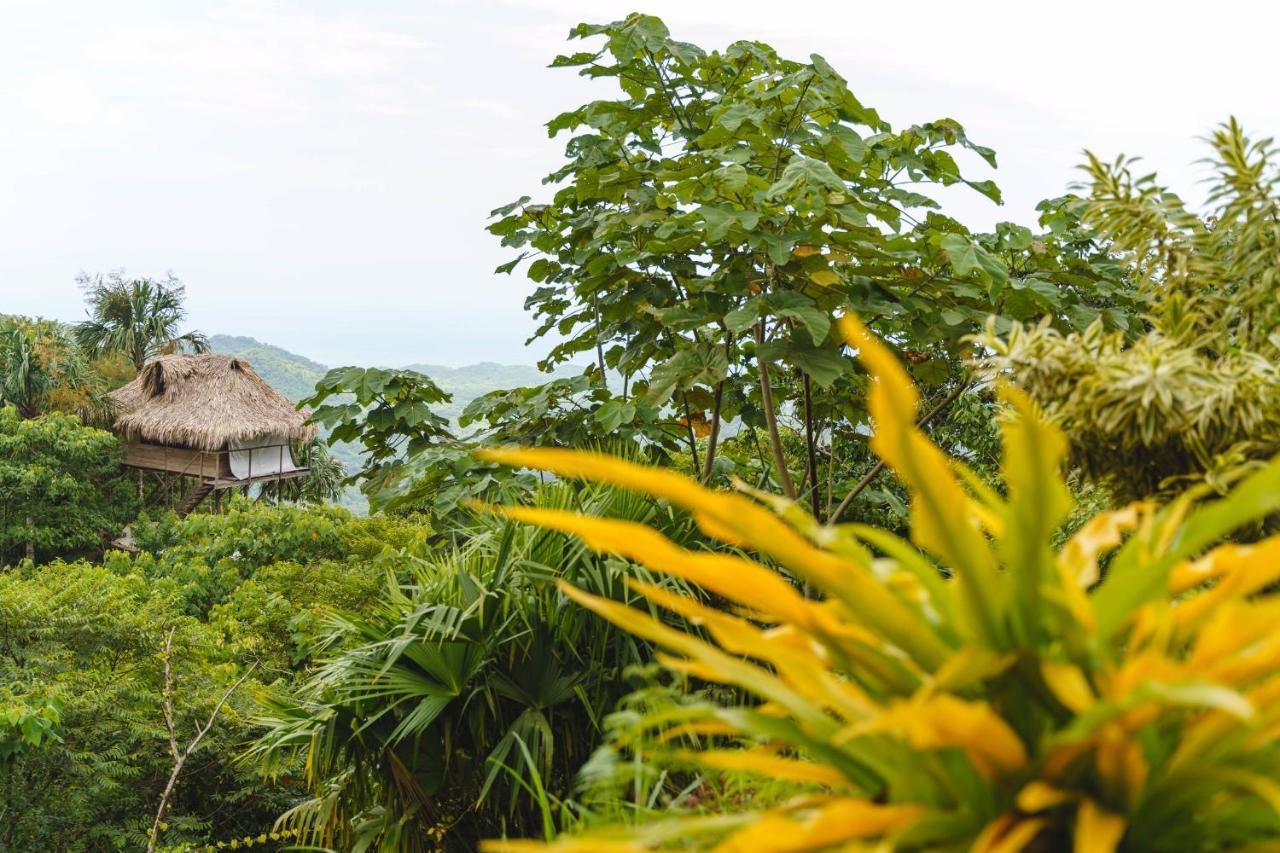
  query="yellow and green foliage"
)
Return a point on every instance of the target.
[
  {"x": 1195, "y": 397},
  {"x": 975, "y": 688},
  {"x": 42, "y": 370}
]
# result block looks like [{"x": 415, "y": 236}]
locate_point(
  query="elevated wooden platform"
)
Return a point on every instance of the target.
[
  {"x": 205, "y": 464},
  {"x": 211, "y": 469},
  {"x": 212, "y": 466}
]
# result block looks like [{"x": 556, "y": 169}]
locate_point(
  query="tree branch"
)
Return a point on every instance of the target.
[
  {"x": 880, "y": 466},
  {"x": 811, "y": 455},
  {"x": 180, "y": 756},
  {"x": 771, "y": 418},
  {"x": 715, "y": 433}
]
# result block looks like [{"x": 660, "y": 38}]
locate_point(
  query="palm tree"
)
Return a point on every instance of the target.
[
  {"x": 23, "y": 381},
  {"x": 465, "y": 692},
  {"x": 324, "y": 483},
  {"x": 138, "y": 318},
  {"x": 42, "y": 369}
]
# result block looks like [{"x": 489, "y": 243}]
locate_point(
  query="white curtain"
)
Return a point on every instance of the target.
[{"x": 260, "y": 457}]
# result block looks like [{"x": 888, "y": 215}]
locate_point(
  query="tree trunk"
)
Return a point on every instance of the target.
[
  {"x": 693, "y": 438},
  {"x": 715, "y": 433},
  {"x": 771, "y": 419},
  {"x": 595, "y": 309},
  {"x": 811, "y": 477},
  {"x": 31, "y": 544}
]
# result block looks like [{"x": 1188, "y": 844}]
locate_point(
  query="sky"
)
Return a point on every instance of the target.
[{"x": 320, "y": 173}]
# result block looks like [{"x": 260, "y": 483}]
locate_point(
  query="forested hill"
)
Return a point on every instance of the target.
[
  {"x": 291, "y": 374},
  {"x": 295, "y": 376}
]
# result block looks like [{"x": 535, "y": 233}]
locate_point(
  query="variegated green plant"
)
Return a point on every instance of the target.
[
  {"x": 1192, "y": 397},
  {"x": 974, "y": 688},
  {"x": 1149, "y": 417}
]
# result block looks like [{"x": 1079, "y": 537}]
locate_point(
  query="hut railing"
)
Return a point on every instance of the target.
[
  {"x": 283, "y": 451},
  {"x": 216, "y": 465}
]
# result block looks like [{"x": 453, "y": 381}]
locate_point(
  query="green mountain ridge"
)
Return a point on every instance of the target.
[{"x": 295, "y": 375}]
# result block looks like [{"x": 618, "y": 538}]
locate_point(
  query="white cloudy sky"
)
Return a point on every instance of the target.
[{"x": 319, "y": 172}]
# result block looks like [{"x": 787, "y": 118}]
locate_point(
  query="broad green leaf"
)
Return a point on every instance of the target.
[
  {"x": 961, "y": 252},
  {"x": 614, "y": 414}
]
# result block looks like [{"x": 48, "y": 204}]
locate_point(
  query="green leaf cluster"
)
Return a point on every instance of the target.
[{"x": 84, "y": 753}]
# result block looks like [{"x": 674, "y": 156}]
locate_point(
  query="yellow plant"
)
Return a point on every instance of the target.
[{"x": 973, "y": 688}]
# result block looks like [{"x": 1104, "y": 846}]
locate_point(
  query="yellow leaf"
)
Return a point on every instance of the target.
[
  {"x": 945, "y": 520},
  {"x": 1238, "y": 642},
  {"x": 755, "y": 526},
  {"x": 748, "y": 583},
  {"x": 897, "y": 393},
  {"x": 825, "y": 278},
  {"x": 768, "y": 764},
  {"x": 838, "y": 821},
  {"x": 727, "y": 668},
  {"x": 702, "y": 728},
  {"x": 691, "y": 668},
  {"x": 1240, "y": 571},
  {"x": 1007, "y": 834},
  {"x": 799, "y": 664},
  {"x": 1069, "y": 685},
  {"x": 1100, "y": 534},
  {"x": 1038, "y": 796},
  {"x": 940, "y": 720},
  {"x": 971, "y": 665},
  {"x": 1097, "y": 831}
]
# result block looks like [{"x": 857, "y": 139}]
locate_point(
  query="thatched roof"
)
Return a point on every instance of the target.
[{"x": 204, "y": 402}]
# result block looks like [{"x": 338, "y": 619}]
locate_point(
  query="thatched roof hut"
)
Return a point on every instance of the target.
[{"x": 205, "y": 402}]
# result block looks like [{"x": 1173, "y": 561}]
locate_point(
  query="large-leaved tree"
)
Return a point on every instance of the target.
[{"x": 716, "y": 207}]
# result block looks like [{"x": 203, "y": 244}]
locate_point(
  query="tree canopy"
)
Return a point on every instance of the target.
[
  {"x": 42, "y": 369},
  {"x": 59, "y": 485}
]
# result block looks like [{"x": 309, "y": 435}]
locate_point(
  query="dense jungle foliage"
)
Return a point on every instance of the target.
[{"x": 860, "y": 529}]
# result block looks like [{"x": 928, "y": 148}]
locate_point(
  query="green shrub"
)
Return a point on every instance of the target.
[
  {"x": 1193, "y": 399},
  {"x": 463, "y": 695},
  {"x": 210, "y": 554},
  {"x": 61, "y": 492},
  {"x": 85, "y": 640}
]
